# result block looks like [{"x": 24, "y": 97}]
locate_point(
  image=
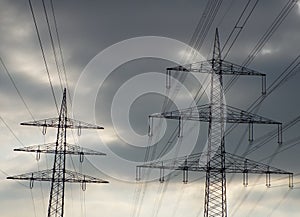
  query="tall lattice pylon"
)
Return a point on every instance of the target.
[
  {"x": 216, "y": 113},
  {"x": 59, "y": 175}
]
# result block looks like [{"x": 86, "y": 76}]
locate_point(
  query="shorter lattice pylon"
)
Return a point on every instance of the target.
[{"x": 59, "y": 174}]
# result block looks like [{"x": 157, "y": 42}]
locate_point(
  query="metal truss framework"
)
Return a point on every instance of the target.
[
  {"x": 233, "y": 164},
  {"x": 216, "y": 113},
  {"x": 59, "y": 175}
]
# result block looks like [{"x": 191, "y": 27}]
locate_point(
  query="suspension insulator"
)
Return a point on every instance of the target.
[
  {"x": 291, "y": 182},
  {"x": 83, "y": 184},
  {"x": 245, "y": 178},
  {"x": 38, "y": 155},
  {"x": 79, "y": 130},
  {"x": 185, "y": 176},
  {"x": 280, "y": 134},
  {"x": 31, "y": 182},
  {"x": 138, "y": 174},
  {"x": 162, "y": 174},
  {"x": 44, "y": 131},
  {"x": 251, "y": 132},
  {"x": 185, "y": 172},
  {"x": 81, "y": 157},
  {"x": 180, "y": 127},
  {"x": 168, "y": 79},
  {"x": 150, "y": 126},
  {"x": 268, "y": 180}
]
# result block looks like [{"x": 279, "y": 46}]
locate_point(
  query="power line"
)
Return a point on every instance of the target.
[
  {"x": 283, "y": 77},
  {"x": 288, "y": 72},
  {"x": 197, "y": 39},
  {"x": 239, "y": 27},
  {"x": 52, "y": 45},
  {"x": 16, "y": 88},
  {"x": 26, "y": 106},
  {"x": 43, "y": 54},
  {"x": 11, "y": 131},
  {"x": 270, "y": 31},
  {"x": 265, "y": 37},
  {"x": 60, "y": 50},
  {"x": 198, "y": 44},
  {"x": 173, "y": 136}
]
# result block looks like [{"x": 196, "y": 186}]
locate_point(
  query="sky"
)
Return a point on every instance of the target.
[{"x": 116, "y": 54}]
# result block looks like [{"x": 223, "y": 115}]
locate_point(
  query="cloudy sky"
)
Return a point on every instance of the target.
[{"x": 115, "y": 54}]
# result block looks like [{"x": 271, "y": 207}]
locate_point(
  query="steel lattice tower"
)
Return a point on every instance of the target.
[
  {"x": 59, "y": 175},
  {"x": 216, "y": 113}
]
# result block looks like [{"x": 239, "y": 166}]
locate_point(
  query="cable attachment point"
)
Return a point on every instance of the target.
[
  {"x": 268, "y": 179},
  {"x": 83, "y": 184},
  {"x": 291, "y": 181},
  {"x": 79, "y": 130},
  {"x": 31, "y": 182},
  {"x": 44, "y": 131},
  {"x": 81, "y": 157},
  {"x": 162, "y": 173},
  {"x": 185, "y": 172},
  {"x": 38, "y": 154}
]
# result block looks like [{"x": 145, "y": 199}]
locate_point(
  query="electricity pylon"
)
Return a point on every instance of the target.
[
  {"x": 59, "y": 175},
  {"x": 218, "y": 162}
]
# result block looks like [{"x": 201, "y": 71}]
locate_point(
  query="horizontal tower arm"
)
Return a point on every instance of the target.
[
  {"x": 228, "y": 68},
  {"x": 54, "y": 122},
  {"x": 51, "y": 147},
  {"x": 233, "y": 164},
  {"x": 70, "y": 176},
  {"x": 202, "y": 113}
]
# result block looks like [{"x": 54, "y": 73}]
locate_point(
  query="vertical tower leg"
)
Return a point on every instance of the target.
[
  {"x": 215, "y": 189},
  {"x": 56, "y": 201}
]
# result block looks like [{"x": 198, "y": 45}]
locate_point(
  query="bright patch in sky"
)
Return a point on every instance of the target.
[
  {"x": 267, "y": 51},
  {"x": 190, "y": 55},
  {"x": 298, "y": 4},
  {"x": 109, "y": 136}
]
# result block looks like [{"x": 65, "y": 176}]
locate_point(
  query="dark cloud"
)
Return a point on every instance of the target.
[{"x": 87, "y": 28}]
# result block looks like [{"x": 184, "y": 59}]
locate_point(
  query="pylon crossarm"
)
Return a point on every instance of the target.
[
  {"x": 238, "y": 164},
  {"x": 70, "y": 176},
  {"x": 224, "y": 68},
  {"x": 202, "y": 113},
  {"x": 201, "y": 67},
  {"x": 190, "y": 162},
  {"x": 233, "y": 164},
  {"x": 235, "y": 69},
  {"x": 54, "y": 122},
  {"x": 235, "y": 115},
  {"x": 228, "y": 68},
  {"x": 51, "y": 149}
]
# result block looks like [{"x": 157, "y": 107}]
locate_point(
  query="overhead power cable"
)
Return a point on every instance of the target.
[
  {"x": 238, "y": 27},
  {"x": 43, "y": 54},
  {"x": 11, "y": 131},
  {"x": 265, "y": 38},
  {"x": 196, "y": 42},
  {"x": 270, "y": 31},
  {"x": 60, "y": 50},
  {"x": 52, "y": 45},
  {"x": 16, "y": 88}
]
